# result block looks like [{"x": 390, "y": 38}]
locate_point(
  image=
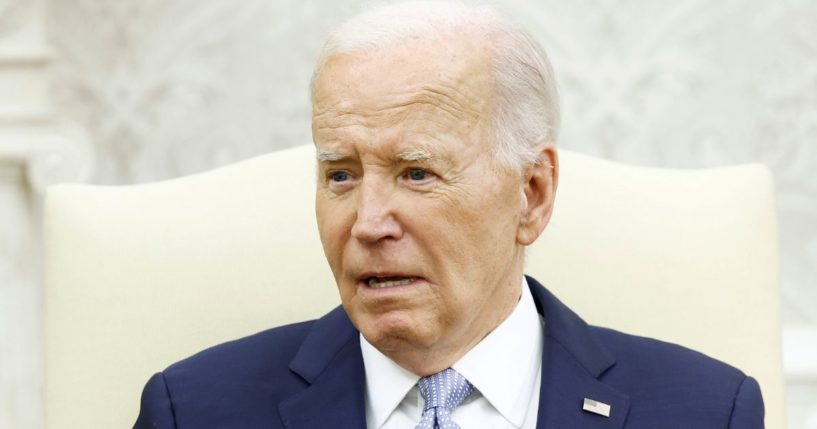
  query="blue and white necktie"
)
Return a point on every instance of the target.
[{"x": 442, "y": 392}]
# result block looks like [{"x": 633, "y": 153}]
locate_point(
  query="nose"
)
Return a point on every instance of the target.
[{"x": 375, "y": 219}]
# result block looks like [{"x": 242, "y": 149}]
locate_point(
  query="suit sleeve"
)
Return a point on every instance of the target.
[
  {"x": 156, "y": 411},
  {"x": 747, "y": 410}
]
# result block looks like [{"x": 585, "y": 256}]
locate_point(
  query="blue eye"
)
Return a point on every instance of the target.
[
  {"x": 339, "y": 176},
  {"x": 417, "y": 174}
]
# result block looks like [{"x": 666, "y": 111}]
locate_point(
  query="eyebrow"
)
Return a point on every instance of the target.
[
  {"x": 407, "y": 156},
  {"x": 414, "y": 155},
  {"x": 329, "y": 156}
]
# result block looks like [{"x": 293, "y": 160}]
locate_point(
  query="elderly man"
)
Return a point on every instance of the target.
[{"x": 434, "y": 127}]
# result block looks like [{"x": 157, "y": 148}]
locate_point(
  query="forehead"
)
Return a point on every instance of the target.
[{"x": 447, "y": 77}]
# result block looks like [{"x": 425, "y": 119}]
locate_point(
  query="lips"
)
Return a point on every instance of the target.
[{"x": 375, "y": 282}]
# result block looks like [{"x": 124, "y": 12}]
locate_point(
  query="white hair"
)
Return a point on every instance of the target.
[{"x": 527, "y": 113}]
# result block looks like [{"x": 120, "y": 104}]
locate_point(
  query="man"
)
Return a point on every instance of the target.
[{"x": 434, "y": 126}]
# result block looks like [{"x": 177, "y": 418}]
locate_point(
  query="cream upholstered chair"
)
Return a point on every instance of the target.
[{"x": 141, "y": 276}]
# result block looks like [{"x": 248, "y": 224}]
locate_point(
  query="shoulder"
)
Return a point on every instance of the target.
[
  {"x": 270, "y": 350},
  {"x": 243, "y": 374},
  {"x": 635, "y": 354},
  {"x": 229, "y": 385},
  {"x": 669, "y": 381}
]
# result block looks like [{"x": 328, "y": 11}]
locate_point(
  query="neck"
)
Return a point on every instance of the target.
[{"x": 427, "y": 361}]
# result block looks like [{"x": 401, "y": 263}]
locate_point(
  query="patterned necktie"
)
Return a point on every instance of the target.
[{"x": 442, "y": 392}]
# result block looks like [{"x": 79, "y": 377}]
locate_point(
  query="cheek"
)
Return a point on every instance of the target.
[
  {"x": 477, "y": 235},
  {"x": 333, "y": 228},
  {"x": 487, "y": 218},
  {"x": 451, "y": 236}
]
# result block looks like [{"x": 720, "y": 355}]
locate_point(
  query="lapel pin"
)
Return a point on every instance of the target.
[{"x": 596, "y": 407}]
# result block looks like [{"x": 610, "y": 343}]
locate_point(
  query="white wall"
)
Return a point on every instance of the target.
[
  {"x": 34, "y": 152},
  {"x": 164, "y": 88}
]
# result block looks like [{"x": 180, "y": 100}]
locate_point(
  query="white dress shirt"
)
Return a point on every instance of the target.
[{"x": 505, "y": 369}]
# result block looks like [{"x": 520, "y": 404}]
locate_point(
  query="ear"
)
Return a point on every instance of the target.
[{"x": 539, "y": 192}]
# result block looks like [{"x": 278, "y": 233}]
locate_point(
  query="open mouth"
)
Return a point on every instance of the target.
[{"x": 387, "y": 282}]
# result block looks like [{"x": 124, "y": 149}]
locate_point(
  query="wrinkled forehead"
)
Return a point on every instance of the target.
[{"x": 454, "y": 71}]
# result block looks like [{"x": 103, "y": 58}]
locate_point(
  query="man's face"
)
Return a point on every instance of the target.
[{"x": 418, "y": 223}]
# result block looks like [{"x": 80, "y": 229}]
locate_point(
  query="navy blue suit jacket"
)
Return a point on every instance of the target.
[{"x": 311, "y": 375}]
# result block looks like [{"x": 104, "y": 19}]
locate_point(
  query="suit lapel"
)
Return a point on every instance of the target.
[
  {"x": 572, "y": 362},
  {"x": 330, "y": 361}
]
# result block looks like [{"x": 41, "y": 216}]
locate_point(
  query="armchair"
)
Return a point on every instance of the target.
[{"x": 138, "y": 277}]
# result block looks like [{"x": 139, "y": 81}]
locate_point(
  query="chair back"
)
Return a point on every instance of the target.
[{"x": 138, "y": 277}]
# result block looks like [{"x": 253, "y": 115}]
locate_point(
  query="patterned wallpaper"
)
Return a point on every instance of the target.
[
  {"x": 170, "y": 88},
  {"x": 166, "y": 88}
]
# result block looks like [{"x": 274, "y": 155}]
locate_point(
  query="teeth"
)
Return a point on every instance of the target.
[{"x": 380, "y": 282}]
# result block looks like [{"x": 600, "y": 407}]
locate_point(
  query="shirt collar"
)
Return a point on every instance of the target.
[
  {"x": 514, "y": 347},
  {"x": 505, "y": 364},
  {"x": 387, "y": 383}
]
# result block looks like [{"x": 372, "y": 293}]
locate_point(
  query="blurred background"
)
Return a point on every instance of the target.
[{"x": 131, "y": 91}]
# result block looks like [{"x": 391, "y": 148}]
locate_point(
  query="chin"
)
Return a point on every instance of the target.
[{"x": 394, "y": 332}]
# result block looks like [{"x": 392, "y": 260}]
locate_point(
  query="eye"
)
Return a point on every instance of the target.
[
  {"x": 419, "y": 178},
  {"x": 417, "y": 174},
  {"x": 339, "y": 176}
]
